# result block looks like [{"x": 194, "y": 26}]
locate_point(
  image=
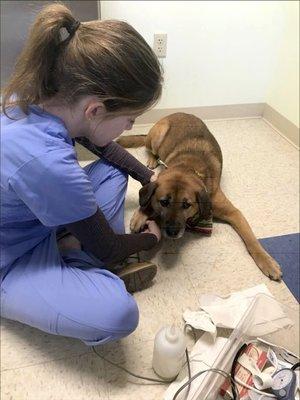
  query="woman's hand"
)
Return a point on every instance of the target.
[{"x": 152, "y": 227}]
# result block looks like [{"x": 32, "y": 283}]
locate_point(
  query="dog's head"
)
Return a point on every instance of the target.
[{"x": 175, "y": 197}]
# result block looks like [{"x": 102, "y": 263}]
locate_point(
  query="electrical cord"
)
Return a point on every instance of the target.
[
  {"x": 296, "y": 366},
  {"x": 188, "y": 383},
  {"x": 233, "y": 380},
  {"x": 132, "y": 373},
  {"x": 219, "y": 371},
  {"x": 253, "y": 389},
  {"x": 233, "y": 367},
  {"x": 145, "y": 377},
  {"x": 189, "y": 372},
  {"x": 225, "y": 374},
  {"x": 191, "y": 378}
]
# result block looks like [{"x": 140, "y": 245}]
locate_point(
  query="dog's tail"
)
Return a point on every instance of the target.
[{"x": 132, "y": 140}]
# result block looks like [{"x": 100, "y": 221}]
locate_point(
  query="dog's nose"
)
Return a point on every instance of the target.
[{"x": 172, "y": 230}]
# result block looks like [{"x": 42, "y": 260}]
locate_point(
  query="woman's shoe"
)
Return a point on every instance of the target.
[{"x": 137, "y": 275}]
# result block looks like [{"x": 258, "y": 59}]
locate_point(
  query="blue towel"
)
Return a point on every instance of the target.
[{"x": 285, "y": 250}]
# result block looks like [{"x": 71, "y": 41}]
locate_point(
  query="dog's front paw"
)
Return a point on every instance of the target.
[
  {"x": 138, "y": 221},
  {"x": 270, "y": 267},
  {"x": 152, "y": 162}
]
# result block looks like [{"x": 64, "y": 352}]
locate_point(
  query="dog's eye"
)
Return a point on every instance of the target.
[
  {"x": 164, "y": 202},
  {"x": 186, "y": 205}
]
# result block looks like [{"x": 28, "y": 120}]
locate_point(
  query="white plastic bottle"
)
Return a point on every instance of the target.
[{"x": 169, "y": 352}]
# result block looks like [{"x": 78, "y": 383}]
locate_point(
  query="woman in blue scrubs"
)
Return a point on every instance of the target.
[{"x": 86, "y": 82}]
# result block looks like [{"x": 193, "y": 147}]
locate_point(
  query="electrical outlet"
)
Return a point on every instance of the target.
[{"x": 160, "y": 45}]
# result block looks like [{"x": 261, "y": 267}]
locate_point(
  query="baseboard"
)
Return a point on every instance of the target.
[
  {"x": 232, "y": 111},
  {"x": 282, "y": 125},
  {"x": 251, "y": 110}
]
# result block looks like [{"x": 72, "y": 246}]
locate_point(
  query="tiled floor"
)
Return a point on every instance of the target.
[{"x": 261, "y": 178}]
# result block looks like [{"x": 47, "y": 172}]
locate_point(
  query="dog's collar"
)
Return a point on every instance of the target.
[
  {"x": 162, "y": 163},
  {"x": 199, "y": 225},
  {"x": 201, "y": 176}
]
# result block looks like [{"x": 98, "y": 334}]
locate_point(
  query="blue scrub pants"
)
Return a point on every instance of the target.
[{"x": 72, "y": 294}]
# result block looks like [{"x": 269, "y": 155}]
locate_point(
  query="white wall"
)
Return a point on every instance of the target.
[
  {"x": 219, "y": 52},
  {"x": 283, "y": 94}
]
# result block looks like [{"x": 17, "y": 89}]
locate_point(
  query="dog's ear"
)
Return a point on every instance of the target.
[
  {"x": 146, "y": 192},
  {"x": 204, "y": 202}
]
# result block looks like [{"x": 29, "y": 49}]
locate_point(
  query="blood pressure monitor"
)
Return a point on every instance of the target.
[{"x": 284, "y": 384}]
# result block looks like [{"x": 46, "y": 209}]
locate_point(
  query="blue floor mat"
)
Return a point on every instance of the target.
[{"x": 285, "y": 250}]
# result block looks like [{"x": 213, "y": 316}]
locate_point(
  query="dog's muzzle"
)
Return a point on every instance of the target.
[{"x": 174, "y": 231}]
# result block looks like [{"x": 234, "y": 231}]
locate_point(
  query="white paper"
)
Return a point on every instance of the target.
[
  {"x": 200, "y": 320},
  {"x": 226, "y": 312}
]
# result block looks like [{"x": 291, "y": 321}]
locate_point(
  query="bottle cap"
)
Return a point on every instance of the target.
[{"x": 171, "y": 333}]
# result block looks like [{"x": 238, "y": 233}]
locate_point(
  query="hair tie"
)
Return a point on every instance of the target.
[
  {"x": 73, "y": 28},
  {"x": 67, "y": 32}
]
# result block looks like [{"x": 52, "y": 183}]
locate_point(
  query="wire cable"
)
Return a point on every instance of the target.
[
  {"x": 189, "y": 372},
  {"x": 132, "y": 373},
  {"x": 188, "y": 383},
  {"x": 295, "y": 366},
  {"x": 233, "y": 368},
  {"x": 191, "y": 378},
  {"x": 253, "y": 389},
  {"x": 219, "y": 371}
]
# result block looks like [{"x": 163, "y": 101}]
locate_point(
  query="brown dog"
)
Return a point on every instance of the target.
[{"x": 189, "y": 184}]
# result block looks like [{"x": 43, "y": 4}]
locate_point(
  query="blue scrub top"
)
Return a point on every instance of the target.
[{"x": 42, "y": 184}]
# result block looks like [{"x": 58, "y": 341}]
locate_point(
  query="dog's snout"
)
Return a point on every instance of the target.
[{"x": 172, "y": 229}]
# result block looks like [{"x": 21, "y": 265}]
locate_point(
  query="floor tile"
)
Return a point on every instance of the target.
[{"x": 76, "y": 378}]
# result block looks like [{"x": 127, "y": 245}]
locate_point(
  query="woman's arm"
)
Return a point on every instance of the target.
[
  {"x": 95, "y": 234},
  {"x": 117, "y": 155}
]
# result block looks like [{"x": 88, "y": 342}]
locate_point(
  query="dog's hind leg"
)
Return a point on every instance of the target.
[{"x": 225, "y": 210}]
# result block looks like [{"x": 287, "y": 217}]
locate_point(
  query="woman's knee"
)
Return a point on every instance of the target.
[
  {"x": 124, "y": 317},
  {"x": 121, "y": 321}
]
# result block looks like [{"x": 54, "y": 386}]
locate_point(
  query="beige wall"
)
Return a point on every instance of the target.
[
  {"x": 283, "y": 93},
  {"x": 221, "y": 52}
]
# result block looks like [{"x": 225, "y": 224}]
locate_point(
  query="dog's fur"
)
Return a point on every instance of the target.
[{"x": 189, "y": 184}]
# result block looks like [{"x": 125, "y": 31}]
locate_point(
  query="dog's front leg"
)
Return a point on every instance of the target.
[{"x": 223, "y": 209}]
